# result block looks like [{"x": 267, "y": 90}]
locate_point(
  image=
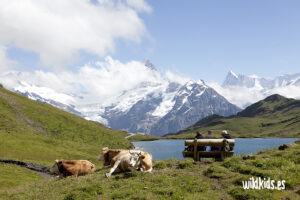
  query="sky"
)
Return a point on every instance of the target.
[
  {"x": 205, "y": 39},
  {"x": 195, "y": 38}
]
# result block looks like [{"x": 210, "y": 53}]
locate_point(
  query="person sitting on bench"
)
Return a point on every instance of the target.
[
  {"x": 199, "y": 136},
  {"x": 209, "y": 136},
  {"x": 226, "y": 135}
]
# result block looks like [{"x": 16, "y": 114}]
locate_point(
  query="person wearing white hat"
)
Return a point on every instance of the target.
[{"x": 226, "y": 135}]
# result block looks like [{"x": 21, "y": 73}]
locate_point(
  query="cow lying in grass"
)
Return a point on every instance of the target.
[
  {"x": 109, "y": 156},
  {"x": 66, "y": 168},
  {"x": 125, "y": 162}
]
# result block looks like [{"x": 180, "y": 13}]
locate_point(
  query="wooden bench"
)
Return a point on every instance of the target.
[{"x": 194, "y": 152}]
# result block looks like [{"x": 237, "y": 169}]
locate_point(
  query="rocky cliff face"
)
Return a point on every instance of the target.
[{"x": 190, "y": 102}]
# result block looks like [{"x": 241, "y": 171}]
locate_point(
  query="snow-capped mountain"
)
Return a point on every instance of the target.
[
  {"x": 161, "y": 107},
  {"x": 48, "y": 96},
  {"x": 243, "y": 90},
  {"x": 254, "y": 81},
  {"x": 168, "y": 109},
  {"x": 154, "y": 106},
  {"x": 193, "y": 101}
]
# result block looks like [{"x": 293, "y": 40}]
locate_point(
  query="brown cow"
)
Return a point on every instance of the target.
[
  {"x": 66, "y": 168},
  {"x": 109, "y": 158}
]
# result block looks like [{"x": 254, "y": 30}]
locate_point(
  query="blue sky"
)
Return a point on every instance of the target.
[{"x": 205, "y": 39}]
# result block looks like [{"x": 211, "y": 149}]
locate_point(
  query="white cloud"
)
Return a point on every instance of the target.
[
  {"x": 110, "y": 78},
  {"x": 100, "y": 82},
  {"x": 290, "y": 91},
  {"x": 5, "y": 63},
  {"x": 240, "y": 96},
  {"x": 58, "y": 30},
  {"x": 176, "y": 77},
  {"x": 139, "y": 5},
  {"x": 243, "y": 96}
]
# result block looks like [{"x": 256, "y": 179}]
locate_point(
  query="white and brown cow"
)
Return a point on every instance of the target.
[
  {"x": 125, "y": 162},
  {"x": 67, "y": 168},
  {"x": 109, "y": 158}
]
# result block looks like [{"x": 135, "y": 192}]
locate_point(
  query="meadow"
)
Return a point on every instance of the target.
[
  {"x": 174, "y": 179},
  {"x": 35, "y": 132}
]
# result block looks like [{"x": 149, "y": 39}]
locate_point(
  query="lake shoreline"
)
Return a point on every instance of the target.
[
  {"x": 172, "y": 148},
  {"x": 162, "y": 138}
]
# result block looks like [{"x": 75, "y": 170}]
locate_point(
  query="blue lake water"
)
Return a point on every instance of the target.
[{"x": 166, "y": 149}]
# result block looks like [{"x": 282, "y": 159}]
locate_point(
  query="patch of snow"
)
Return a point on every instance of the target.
[
  {"x": 166, "y": 105},
  {"x": 187, "y": 110},
  {"x": 184, "y": 100},
  {"x": 97, "y": 118},
  {"x": 200, "y": 93},
  {"x": 45, "y": 93},
  {"x": 125, "y": 101},
  {"x": 233, "y": 74}
]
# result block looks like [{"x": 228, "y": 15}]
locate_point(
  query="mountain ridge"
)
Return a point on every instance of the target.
[
  {"x": 274, "y": 116},
  {"x": 154, "y": 107}
]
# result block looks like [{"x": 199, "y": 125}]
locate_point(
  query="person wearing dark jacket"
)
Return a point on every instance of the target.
[
  {"x": 199, "y": 135},
  {"x": 209, "y": 135},
  {"x": 226, "y": 135}
]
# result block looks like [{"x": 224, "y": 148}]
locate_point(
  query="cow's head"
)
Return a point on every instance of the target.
[
  {"x": 55, "y": 168},
  {"x": 142, "y": 155},
  {"x": 102, "y": 154}
]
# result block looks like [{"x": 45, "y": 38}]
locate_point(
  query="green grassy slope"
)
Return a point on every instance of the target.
[
  {"x": 32, "y": 131},
  {"x": 275, "y": 116},
  {"x": 178, "y": 179}
]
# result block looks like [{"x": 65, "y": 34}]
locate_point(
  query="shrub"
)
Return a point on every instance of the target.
[
  {"x": 160, "y": 165},
  {"x": 85, "y": 192},
  {"x": 232, "y": 163},
  {"x": 241, "y": 194},
  {"x": 185, "y": 164},
  {"x": 215, "y": 171}
]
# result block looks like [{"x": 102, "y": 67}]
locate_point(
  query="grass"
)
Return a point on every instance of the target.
[
  {"x": 13, "y": 176},
  {"x": 140, "y": 137},
  {"x": 178, "y": 179},
  {"x": 32, "y": 131},
  {"x": 169, "y": 183}
]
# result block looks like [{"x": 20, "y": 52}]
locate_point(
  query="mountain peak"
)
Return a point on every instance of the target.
[
  {"x": 149, "y": 65},
  {"x": 274, "y": 98},
  {"x": 270, "y": 104},
  {"x": 231, "y": 79}
]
